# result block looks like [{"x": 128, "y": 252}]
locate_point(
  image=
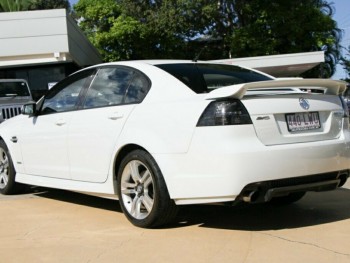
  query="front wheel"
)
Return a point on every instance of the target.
[
  {"x": 7, "y": 172},
  {"x": 142, "y": 191}
]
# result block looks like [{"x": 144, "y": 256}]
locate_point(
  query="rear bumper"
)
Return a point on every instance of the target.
[
  {"x": 222, "y": 162},
  {"x": 264, "y": 191}
]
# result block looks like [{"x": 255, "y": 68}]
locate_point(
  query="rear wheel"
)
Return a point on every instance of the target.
[
  {"x": 7, "y": 172},
  {"x": 142, "y": 192},
  {"x": 288, "y": 199}
]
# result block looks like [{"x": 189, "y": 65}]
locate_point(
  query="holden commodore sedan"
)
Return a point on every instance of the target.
[{"x": 159, "y": 134}]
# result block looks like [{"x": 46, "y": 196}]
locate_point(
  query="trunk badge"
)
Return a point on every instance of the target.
[{"x": 304, "y": 103}]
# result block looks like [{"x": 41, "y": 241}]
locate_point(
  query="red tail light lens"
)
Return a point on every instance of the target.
[{"x": 226, "y": 112}]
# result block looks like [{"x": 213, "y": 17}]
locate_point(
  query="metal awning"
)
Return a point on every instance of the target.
[{"x": 287, "y": 65}]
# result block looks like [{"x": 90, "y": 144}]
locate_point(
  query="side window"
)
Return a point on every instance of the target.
[
  {"x": 138, "y": 89},
  {"x": 109, "y": 87},
  {"x": 64, "y": 96}
]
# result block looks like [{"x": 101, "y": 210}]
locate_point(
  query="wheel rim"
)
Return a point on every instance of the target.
[
  {"x": 137, "y": 189},
  {"x": 4, "y": 169}
]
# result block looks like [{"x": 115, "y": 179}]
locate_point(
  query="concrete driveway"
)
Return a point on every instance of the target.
[{"x": 58, "y": 226}]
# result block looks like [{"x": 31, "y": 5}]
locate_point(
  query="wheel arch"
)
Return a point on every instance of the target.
[
  {"x": 125, "y": 150},
  {"x": 120, "y": 156}
]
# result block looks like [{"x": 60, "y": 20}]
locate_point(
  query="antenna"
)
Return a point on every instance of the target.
[{"x": 198, "y": 55}]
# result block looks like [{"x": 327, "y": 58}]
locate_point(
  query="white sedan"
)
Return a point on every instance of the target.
[{"x": 158, "y": 134}]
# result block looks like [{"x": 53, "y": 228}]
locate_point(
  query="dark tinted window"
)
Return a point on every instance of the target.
[
  {"x": 115, "y": 86},
  {"x": 11, "y": 89},
  {"x": 138, "y": 88},
  {"x": 64, "y": 96},
  {"x": 109, "y": 87},
  {"x": 202, "y": 78}
]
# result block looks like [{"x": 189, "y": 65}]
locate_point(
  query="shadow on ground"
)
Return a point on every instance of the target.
[
  {"x": 313, "y": 209},
  {"x": 76, "y": 198}
]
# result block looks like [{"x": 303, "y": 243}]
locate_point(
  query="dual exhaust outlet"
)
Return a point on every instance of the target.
[{"x": 264, "y": 191}]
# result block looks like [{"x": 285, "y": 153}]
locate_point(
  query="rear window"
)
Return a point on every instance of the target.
[
  {"x": 203, "y": 78},
  {"x": 12, "y": 89}
]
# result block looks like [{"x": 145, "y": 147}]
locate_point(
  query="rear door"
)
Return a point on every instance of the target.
[{"x": 95, "y": 128}]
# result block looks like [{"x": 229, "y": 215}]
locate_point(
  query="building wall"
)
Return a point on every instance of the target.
[
  {"x": 42, "y": 47},
  {"x": 44, "y": 36}
]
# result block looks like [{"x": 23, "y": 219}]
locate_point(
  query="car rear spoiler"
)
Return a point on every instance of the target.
[{"x": 330, "y": 87}]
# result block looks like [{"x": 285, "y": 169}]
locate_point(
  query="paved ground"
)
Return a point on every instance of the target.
[{"x": 59, "y": 226}]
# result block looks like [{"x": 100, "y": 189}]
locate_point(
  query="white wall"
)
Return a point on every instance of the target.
[{"x": 34, "y": 37}]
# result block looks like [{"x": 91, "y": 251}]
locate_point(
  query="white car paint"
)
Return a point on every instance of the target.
[
  {"x": 90, "y": 147},
  {"x": 43, "y": 143},
  {"x": 77, "y": 150}
]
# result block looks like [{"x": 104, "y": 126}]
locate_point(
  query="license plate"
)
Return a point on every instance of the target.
[{"x": 303, "y": 121}]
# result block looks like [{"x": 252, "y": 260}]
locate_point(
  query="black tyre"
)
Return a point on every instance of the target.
[
  {"x": 7, "y": 172},
  {"x": 142, "y": 192},
  {"x": 288, "y": 199}
]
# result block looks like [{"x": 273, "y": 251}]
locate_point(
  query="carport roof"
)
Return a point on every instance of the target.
[{"x": 287, "y": 65}]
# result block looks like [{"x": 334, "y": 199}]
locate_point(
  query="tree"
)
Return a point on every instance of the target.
[
  {"x": 110, "y": 31},
  {"x": 24, "y": 5},
  {"x": 142, "y": 29},
  {"x": 14, "y": 5},
  {"x": 281, "y": 27},
  {"x": 126, "y": 29},
  {"x": 48, "y": 4}
]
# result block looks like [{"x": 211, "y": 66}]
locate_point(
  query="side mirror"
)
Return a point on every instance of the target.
[{"x": 29, "y": 108}]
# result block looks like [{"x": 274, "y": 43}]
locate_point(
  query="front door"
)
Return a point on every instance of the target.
[{"x": 43, "y": 138}]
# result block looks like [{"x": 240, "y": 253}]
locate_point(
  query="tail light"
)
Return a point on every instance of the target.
[{"x": 224, "y": 112}]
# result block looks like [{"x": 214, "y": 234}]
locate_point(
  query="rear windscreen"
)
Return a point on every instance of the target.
[
  {"x": 203, "y": 78},
  {"x": 13, "y": 89}
]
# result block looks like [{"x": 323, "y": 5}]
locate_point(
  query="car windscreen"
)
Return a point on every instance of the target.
[
  {"x": 13, "y": 89},
  {"x": 204, "y": 77}
]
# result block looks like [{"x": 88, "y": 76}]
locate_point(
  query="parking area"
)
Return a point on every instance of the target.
[{"x": 48, "y": 225}]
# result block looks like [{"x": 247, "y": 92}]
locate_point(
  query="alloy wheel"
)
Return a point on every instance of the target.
[
  {"x": 137, "y": 189},
  {"x": 4, "y": 169}
]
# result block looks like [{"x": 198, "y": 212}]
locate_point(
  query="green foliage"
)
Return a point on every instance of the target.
[
  {"x": 140, "y": 29},
  {"x": 24, "y": 5},
  {"x": 108, "y": 29},
  {"x": 48, "y": 4},
  {"x": 281, "y": 27},
  {"x": 14, "y": 5}
]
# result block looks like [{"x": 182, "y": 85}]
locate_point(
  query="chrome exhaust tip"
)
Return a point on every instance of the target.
[{"x": 250, "y": 197}]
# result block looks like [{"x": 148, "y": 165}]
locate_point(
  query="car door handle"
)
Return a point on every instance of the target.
[
  {"x": 115, "y": 116},
  {"x": 60, "y": 122}
]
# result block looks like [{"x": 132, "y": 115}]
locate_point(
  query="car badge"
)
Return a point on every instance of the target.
[{"x": 304, "y": 103}]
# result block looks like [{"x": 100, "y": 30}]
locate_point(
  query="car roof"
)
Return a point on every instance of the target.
[
  {"x": 155, "y": 62},
  {"x": 152, "y": 62}
]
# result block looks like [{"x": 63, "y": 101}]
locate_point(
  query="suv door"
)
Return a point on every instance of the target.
[
  {"x": 94, "y": 130},
  {"x": 43, "y": 138}
]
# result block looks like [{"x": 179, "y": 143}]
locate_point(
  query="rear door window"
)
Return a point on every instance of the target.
[{"x": 116, "y": 86}]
